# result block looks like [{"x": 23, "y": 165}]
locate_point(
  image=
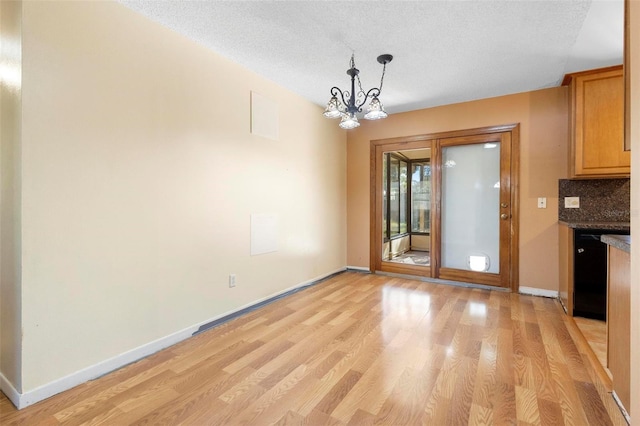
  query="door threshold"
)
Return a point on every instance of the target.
[{"x": 441, "y": 281}]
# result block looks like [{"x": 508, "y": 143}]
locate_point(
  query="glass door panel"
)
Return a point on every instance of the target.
[
  {"x": 394, "y": 197},
  {"x": 471, "y": 207},
  {"x": 406, "y": 209},
  {"x": 421, "y": 197},
  {"x": 395, "y": 186},
  {"x": 385, "y": 191}
]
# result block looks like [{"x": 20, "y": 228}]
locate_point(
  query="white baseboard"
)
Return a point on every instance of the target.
[
  {"x": 7, "y": 388},
  {"x": 538, "y": 292},
  {"x": 22, "y": 400}
]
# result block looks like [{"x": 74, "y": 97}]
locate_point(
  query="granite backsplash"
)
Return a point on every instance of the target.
[{"x": 601, "y": 200}]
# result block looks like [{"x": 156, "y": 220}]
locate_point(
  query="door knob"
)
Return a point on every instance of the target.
[
  {"x": 504, "y": 205},
  {"x": 504, "y": 216}
]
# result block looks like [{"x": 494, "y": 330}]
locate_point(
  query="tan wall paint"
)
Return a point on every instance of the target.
[
  {"x": 139, "y": 179},
  {"x": 634, "y": 68},
  {"x": 10, "y": 128},
  {"x": 543, "y": 116}
]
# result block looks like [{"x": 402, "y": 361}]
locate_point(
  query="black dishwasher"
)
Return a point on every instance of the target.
[{"x": 590, "y": 273}]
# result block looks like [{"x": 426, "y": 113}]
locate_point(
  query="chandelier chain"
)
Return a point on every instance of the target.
[
  {"x": 353, "y": 65},
  {"x": 361, "y": 91},
  {"x": 384, "y": 68}
]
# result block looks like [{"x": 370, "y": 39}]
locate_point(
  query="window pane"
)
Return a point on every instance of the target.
[
  {"x": 385, "y": 180},
  {"x": 394, "y": 196},
  {"x": 421, "y": 197},
  {"x": 403, "y": 197},
  {"x": 471, "y": 207}
]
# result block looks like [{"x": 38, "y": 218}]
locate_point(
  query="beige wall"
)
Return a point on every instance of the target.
[
  {"x": 543, "y": 145},
  {"x": 139, "y": 178},
  {"x": 10, "y": 128},
  {"x": 634, "y": 58}
]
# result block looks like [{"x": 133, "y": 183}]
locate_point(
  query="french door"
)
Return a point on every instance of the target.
[{"x": 473, "y": 212}]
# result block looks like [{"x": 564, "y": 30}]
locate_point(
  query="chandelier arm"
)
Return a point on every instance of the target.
[
  {"x": 335, "y": 91},
  {"x": 359, "y": 84},
  {"x": 376, "y": 93}
]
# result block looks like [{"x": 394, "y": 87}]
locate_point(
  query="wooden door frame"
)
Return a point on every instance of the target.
[
  {"x": 391, "y": 145},
  {"x": 417, "y": 142}
]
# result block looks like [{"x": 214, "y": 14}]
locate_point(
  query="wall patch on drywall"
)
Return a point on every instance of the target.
[
  {"x": 264, "y": 117},
  {"x": 264, "y": 233}
]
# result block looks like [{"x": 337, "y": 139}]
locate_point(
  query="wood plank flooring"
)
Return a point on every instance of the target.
[
  {"x": 357, "y": 349},
  {"x": 595, "y": 333}
]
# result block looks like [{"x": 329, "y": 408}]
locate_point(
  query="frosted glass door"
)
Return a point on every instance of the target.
[{"x": 471, "y": 207}]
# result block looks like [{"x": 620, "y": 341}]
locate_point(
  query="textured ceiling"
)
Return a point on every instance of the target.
[{"x": 444, "y": 51}]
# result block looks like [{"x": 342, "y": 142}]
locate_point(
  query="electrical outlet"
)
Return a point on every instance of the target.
[
  {"x": 232, "y": 280},
  {"x": 542, "y": 202},
  {"x": 571, "y": 202}
]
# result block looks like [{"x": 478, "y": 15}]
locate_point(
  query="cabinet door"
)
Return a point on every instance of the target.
[{"x": 599, "y": 125}]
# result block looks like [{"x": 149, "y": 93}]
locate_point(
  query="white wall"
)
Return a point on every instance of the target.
[{"x": 139, "y": 176}]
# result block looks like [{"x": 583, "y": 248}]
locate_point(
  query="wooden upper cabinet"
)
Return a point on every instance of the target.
[{"x": 597, "y": 123}]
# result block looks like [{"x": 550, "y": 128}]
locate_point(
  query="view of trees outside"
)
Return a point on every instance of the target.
[
  {"x": 395, "y": 174},
  {"x": 421, "y": 197},
  {"x": 406, "y": 208},
  {"x": 398, "y": 196}
]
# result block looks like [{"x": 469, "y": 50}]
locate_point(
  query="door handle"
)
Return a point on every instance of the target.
[
  {"x": 504, "y": 205},
  {"x": 504, "y": 216}
]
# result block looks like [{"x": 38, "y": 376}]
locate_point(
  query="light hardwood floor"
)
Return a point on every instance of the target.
[
  {"x": 357, "y": 349},
  {"x": 595, "y": 333}
]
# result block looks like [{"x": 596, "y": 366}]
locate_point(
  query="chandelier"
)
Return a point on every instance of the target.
[{"x": 350, "y": 103}]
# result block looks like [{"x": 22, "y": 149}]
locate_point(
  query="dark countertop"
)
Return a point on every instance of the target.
[
  {"x": 614, "y": 226},
  {"x": 622, "y": 242}
]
